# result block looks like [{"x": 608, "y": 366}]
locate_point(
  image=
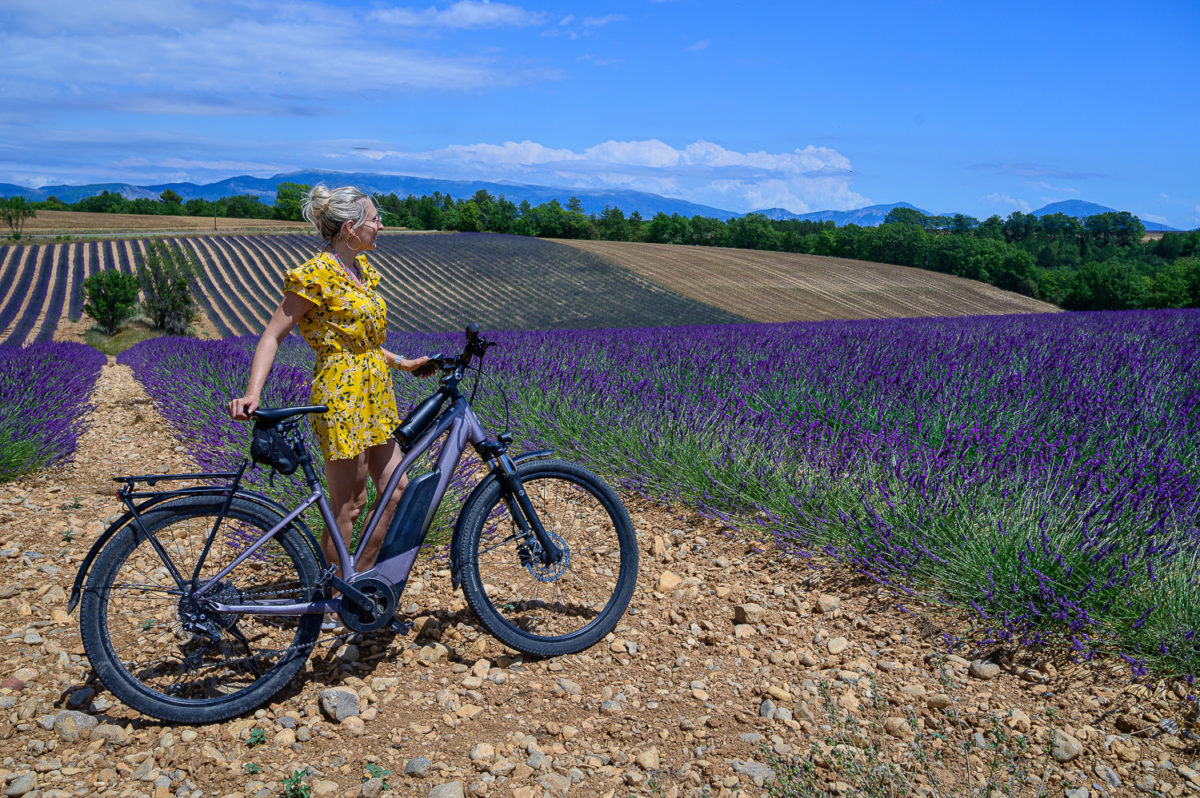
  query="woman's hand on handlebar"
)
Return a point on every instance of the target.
[
  {"x": 242, "y": 408},
  {"x": 414, "y": 364}
]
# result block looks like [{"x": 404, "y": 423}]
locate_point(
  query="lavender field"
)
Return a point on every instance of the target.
[
  {"x": 1041, "y": 472},
  {"x": 45, "y": 390}
]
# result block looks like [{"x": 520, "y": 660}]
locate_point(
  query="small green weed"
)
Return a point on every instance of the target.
[
  {"x": 257, "y": 737},
  {"x": 374, "y": 771},
  {"x": 294, "y": 786},
  {"x": 251, "y": 768}
]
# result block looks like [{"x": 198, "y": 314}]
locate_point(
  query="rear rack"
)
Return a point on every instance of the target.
[{"x": 129, "y": 483}]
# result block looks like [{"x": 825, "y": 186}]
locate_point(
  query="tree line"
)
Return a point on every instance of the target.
[{"x": 1098, "y": 263}]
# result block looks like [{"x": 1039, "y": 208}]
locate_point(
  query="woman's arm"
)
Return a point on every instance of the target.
[
  {"x": 286, "y": 316},
  {"x": 403, "y": 363}
]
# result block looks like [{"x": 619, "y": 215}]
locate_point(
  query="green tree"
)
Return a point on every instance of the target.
[
  {"x": 104, "y": 202},
  {"x": 576, "y": 224},
  {"x": 636, "y": 231},
  {"x": 109, "y": 297},
  {"x": 164, "y": 274},
  {"x": 173, "y": 203},
  {"x": 1115, "y": 229},
  {"x": 52, "y": 203},
  {"x": 199, "y": 207},
  {"x": 961, "y": 223},
  {"x": 611, "y": 224},
  {"x": 289, "y": 200},
  {"x": 14, "y": 211},
  {"x": 246, "y": 206},
  {"x": 469, "y": 217},
  {"x": 709, "y": 232},
  {"x": 753, "y": 231},
  {"x": 1105, "y": 285},
  {"x": 904, "y": 215},
  {"x": 547, "y": 220}
]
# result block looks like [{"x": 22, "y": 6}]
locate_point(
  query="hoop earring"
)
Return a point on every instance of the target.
[{"x": 354, "y": 246}]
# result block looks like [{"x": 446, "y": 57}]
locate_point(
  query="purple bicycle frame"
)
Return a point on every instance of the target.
[{"x": 463, "y": 426}]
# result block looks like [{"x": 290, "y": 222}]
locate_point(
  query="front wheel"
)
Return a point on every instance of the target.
[
  {"x": 167, "y": 655},
  {"x": 545, "y": 609}
]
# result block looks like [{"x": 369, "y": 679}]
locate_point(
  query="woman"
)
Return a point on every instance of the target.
[{"x": 332, "y": 298}]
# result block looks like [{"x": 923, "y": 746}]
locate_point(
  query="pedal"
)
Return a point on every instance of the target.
[{"x": 400, "y": 627}]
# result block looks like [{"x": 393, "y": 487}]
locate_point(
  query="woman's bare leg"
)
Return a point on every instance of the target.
[
  {"x": 382, "y": 461},
  {"x": 347, "y": 497}
]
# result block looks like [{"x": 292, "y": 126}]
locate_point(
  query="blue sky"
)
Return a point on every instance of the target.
[{"x": 952, "y": 106}]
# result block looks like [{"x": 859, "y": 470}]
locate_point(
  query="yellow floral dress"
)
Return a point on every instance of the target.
[{"x": 347, "y": 329}]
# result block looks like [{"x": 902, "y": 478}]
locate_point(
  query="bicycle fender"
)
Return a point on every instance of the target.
[
  {"x": 77, "y": 588},
  {"x": 455, "y": 571},
  {"x": 149, "y": 504}
]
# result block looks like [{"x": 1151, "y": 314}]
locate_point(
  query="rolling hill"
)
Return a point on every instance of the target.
[
  {"x": 439, "y": 281},
  {"x": 782, "y": 286}
]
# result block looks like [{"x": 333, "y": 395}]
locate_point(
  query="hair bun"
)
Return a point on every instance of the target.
[{"x": 328, "y": 209}]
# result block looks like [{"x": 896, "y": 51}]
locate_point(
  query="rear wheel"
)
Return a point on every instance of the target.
[
  {"x": 550, "y": 609},
  {"x": 169, "y": 656}
]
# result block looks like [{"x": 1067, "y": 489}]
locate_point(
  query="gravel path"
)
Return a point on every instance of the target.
[{"x": 731, "y": 664}]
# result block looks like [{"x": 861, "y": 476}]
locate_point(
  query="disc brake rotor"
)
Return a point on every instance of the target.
[{"x": 531, "y": 558}]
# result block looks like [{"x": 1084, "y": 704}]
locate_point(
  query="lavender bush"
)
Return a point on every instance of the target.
[
  {"x": 1041, "y": 470},
  {"x": 44, "y": 401}
]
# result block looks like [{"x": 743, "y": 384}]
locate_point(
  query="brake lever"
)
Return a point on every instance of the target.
[{"x": 429, "y": 367}]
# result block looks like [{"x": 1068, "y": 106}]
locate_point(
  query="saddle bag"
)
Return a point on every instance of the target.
[{"x": 270, "y": 447}]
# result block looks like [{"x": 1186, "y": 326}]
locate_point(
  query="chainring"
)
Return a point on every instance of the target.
[{"x": 368, "y": 619}]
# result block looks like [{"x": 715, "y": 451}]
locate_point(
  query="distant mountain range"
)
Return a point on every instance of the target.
[{"x": 593, "y": 201}]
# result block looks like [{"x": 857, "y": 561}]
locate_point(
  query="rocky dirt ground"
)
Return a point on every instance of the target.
[{"x": 737, "y": 671}]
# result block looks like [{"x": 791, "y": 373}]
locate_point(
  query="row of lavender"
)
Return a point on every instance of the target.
[
  {"x": 45, "y": 392},
  {"x": 1043, "y": 470}
]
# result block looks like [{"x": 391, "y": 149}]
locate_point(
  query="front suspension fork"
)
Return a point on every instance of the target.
[{"x": 522, "y": 512}]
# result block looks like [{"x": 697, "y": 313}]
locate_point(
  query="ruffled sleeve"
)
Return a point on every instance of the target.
[{"x": 309, "y": 280}]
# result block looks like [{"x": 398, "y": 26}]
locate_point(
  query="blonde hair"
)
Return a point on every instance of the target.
[{"x": 328, "y": 209}]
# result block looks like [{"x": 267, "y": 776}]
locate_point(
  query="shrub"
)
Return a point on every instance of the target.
[
  {"x": 109, "y": 297},
  {"x": 164, "y": 274}
]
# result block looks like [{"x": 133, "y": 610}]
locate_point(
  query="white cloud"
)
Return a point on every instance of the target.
[
  {"x": 1004, "y": 200},
  {"x": 573, "y": 28},
  {"x": 697, "y": 47},
  {"x": 702, "y": 171},
  {"x": 246, "y": 58},
  {"x": 1042, "y": 185},
  {"x": 589, "y": 58},
  {"x": 600, "y": 22},
  {"x": 463, "y": 14}
]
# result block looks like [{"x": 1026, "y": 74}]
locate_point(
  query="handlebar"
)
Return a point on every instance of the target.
[{"x": 476, "y": 347}]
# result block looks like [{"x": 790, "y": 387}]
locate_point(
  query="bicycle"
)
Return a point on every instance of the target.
[{"x": 203, "y": 602}]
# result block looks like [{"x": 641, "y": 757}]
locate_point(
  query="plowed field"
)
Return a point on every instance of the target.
[{"x": 783, "y": 286}]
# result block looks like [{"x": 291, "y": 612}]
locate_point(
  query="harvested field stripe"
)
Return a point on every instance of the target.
[
  {"x": 10, "y": 258},
  {"x": 35, "y": 298},
  {"x": 438, "y": 287},
  {"x": 259, "y": 259},
  {"x": 209, "y": 298},
  {"x": 61, "y": 281},
  {"x": 23, "y": 272},
  {"x": 229, "y": 267},
  {"x": 79, "y": 262}
]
